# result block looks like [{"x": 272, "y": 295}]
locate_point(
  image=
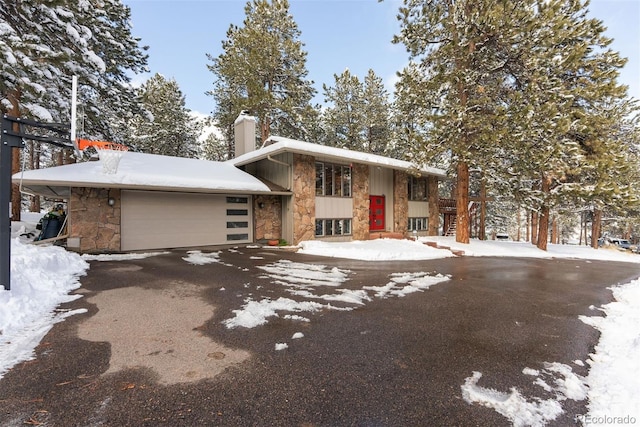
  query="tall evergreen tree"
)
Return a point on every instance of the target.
[
  {"x": 359, "y": 113},
  {"x": 167, "y": 126},
  {"x": 344, "y": 119},
  {"x": 566, "y": 105},
  {"x": 377, "y": 114},
  {"x": 411, "y": 121},
  {"x": 44, "y": 43},
  {"x": 518, "y": 89},
  {"x": 263, "y": 70},
  {"x": 463, "y": 49}
]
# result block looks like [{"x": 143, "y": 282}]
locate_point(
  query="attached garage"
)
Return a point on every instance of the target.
[{"x": 156, "y": 219}]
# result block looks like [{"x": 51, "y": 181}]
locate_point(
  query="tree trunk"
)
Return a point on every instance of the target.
[
  {"x": 596, "y": 227},
  {"x": 554, "y": 230},
  {"x": 434, "y": 213},
  {"x": 34, "y": 162},
  {"x": 534, "y": 228},
  {"x": 543, "y": 228},
  {"x": 265, "y": 125},
  {"x": 482, "y": 235},
  {"x": 543, "y": 223},
  {"x": 462, "y": 203},
  {"x": 59, "y": 157}
]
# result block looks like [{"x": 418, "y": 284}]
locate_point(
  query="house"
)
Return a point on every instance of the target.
[{"x": 287, "y": 189}]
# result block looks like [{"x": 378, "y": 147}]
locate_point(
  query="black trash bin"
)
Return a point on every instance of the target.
[{"x": 50, "y": 228}]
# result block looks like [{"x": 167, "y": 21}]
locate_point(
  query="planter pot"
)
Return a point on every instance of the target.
[{"x": 273, "y": 242}]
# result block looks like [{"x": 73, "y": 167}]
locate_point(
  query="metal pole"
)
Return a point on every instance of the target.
[
  {"x": 74, "y": 114},
  {"x": 9, "y": 139},
  {"x": 5, "y": 207}
]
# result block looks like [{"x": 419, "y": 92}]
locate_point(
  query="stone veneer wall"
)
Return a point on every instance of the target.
[
  {"x": 92, "y": 221},
  {"x": 434, "y": 210},
  {"x": 268, "y": 218},
  {"x": 304, "y": 198},
  {"x": 360, "y": 193},
  {"x": 400, "y": 202}
]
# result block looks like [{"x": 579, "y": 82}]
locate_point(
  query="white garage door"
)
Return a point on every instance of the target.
[{"x": 160, "y": 220}]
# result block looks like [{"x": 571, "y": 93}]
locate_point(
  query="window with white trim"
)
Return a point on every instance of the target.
[
  {"x": 418, "y": 190},
  {"x": 333, "y": 227},
  {"x": 418, "y": 224},
  {"x": 333, "y": 180}
]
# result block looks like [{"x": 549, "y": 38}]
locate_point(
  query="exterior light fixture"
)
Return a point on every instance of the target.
[{"x": 111, "y": 201}]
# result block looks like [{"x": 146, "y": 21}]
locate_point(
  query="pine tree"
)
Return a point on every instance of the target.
[
  {"x": 344, "y": 119},
  {"x": 462, "y": 48},
  {"x": 263, "y": 70},
  {"x": 411, "y": 118},
  {"x": 566, "y": 106},
  {"x": 377, "y": 114},
  {"x": 212, "y": 143},
  {"x": 44, "y": 43},
  {"x": 167, "y": 126}
]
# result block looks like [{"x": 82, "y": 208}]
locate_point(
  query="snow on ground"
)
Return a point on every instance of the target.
[
  {"x": 319, "y": 282},
  {"x": 370, "y": 250},
  {"x": 527, "y": 250},
  {"x": 43, "y": 276},
  {"x": 614, "y": 387}
]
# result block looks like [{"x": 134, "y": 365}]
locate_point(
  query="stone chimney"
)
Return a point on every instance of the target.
[{"x": 244, "y": 130}]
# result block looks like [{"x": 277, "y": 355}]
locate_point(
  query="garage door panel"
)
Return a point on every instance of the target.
[{"x": 155, "y": 220}]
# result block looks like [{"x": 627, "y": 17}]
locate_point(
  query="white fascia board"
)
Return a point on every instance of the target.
[{"x": 282, "y": 145}]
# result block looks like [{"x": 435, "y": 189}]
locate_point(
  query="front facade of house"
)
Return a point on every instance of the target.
[
  {"x": 335, "y": 200},
  {"x": 288, "y": 189},
  {"x": 336, "y": 194}
]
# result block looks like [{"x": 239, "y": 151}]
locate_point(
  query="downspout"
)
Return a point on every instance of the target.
[{"x": 280, "y": 162}]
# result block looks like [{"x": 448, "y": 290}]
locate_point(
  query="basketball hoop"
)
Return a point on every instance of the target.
[{"x": 109, "y": 153}]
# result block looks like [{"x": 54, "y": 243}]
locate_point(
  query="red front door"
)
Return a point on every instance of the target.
[{"x": 376, "y": 213}]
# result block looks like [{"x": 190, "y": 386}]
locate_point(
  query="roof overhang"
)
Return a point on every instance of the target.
[
  {"x": 63, "y": 190},
  {"x": 138, "y": 171},
  {"x": 281, "y": 145}
]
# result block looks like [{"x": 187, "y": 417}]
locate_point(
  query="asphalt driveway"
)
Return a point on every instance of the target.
[{"x": 153, "y": 350}]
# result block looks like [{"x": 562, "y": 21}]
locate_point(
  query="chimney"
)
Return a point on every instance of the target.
[{"x": 244, "y": 130}]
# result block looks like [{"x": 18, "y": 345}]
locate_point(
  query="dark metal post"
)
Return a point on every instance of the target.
[
  {"x": 9, "y": 139},
  {"x": 7, "y": 143}
]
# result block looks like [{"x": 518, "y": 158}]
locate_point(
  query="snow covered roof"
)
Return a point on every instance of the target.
[
  {"x": 280, "y": 145},
  {"x": 143, "y": 171}
]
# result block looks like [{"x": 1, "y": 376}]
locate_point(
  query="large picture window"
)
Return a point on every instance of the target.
[
  {"x": 418, "y": 189},
  {"x": 333, "y": 180}
]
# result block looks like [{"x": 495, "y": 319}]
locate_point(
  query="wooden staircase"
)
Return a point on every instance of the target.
[{"x": 451, "y": 231}]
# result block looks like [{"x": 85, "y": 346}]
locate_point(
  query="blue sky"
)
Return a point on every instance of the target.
[{"x": 337, "y": 34}]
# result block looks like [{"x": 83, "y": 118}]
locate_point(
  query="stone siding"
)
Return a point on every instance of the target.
[
  {"x": 400, "y": 202},
  {"x": 92, "y": 222},
  {"x": 304, "y": 198},
  {"x": 360, "y": 193},
  {"x": 267, "y": 216}
]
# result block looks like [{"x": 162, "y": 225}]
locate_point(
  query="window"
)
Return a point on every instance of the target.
[
  {"x": 333, "y": 227},
  {"x": 333, "y": 180},
  {"x": 418, "y": 189},
  {"x": 237, "y": 224},
  {"x": 237, "y": 212},
  {"x": 243, "y": 200},
  {"x": 231, "y": 237},
  {"x": 418, "y": 224}
]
